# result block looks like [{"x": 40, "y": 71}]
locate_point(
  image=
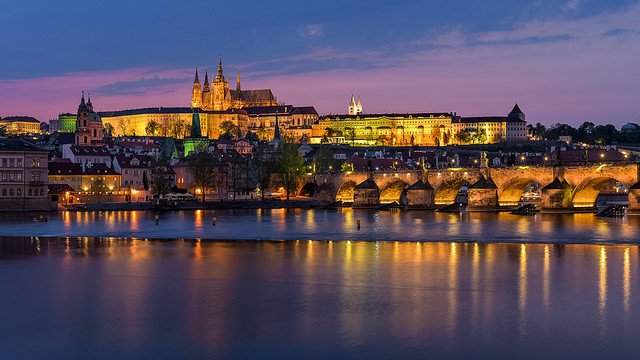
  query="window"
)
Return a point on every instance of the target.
[
  {"x": 41, "y": 192},
  {"x": 19, "y": 192},
  {"x": 4, "y": 176},
  {"x": 29, "y": 192},
  {"x": 19, "y": 163},
  {"x": 12, "y": 162},
  {"x": 4, "y": 192},
  {"x": 12, "y": 177},
  {"x": 19, "y": 176},
  {"x": 4, "y": 162},
  {"x": 10, "y": 192}
]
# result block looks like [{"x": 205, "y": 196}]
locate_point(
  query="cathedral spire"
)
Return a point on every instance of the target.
[
  {"x": 220, "y": 75},
  {"x": 276, "y": 131},
  {"x": 238, "y": 88},
  {"x": 82, "y": 99},
  {"x": 205, "y": 87},
  {"x": 196, "y": 80}
]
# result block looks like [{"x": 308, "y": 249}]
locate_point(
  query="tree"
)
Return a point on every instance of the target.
[
  {"x": 351, "y": 134},
  {"x": 145, "y": 181},
  {"x": 176, "y": 128},
  {"x": 251, "y": 136},
  {"x": 228, "y": 128},
  {"x": 323, "y": 159},
  {"x": 446, "y": 137},
  {"x": 290, "y": 167},
  {"x": 201, "y": 167},
  {"x": 480, "y": 136},
  {"x": 152, "y": 128},
  {"x": 123, "y": 125},
  {"x": 262, "y": 133},
  {"x": 263, "y": 169},
  {"x": 108, "y": 128},
  {"x": 464, "y": 136},
  {"x": 237, "y": 174},
  {"x": 159, "y": 182}
]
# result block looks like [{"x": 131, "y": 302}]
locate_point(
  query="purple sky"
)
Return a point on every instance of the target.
[{"x": 579, "y": 62}]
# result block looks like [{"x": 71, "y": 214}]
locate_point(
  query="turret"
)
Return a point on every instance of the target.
[
  {"x": 516, "y": 113},
  {"x": 359, "y": 107},
  {"x": 352, "y": 106},
  {"x": 238, "y": 88}
]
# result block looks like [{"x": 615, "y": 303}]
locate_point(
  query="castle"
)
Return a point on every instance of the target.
[{"x": 218, "y": 96}]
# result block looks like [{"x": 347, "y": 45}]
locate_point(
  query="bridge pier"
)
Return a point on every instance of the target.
[
  {"x": 482, "y": 196},
  {"x": 634, "y": 200},
  {"x": 419, "y": 196},
  {"x": 557, "y": 196},
  {"x": 366, "y": 194}
]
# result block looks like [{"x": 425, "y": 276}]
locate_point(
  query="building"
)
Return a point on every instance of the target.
[
  {"x": 490, "y": 129},
  {"x": 195, "y": 142},
  {"x": 66, "y": 173},
  {"x": 87, "y": 156},
  {"x": 135, "y": 170},
  {"x": 89, "y": 129},
  {"x": 170, "y": 121},
  {"x": 101, "y": 178},
  {"x": 427, "y": 129},
  {"x": 19, "y": 125},
  {"x": 64, "y": 123},
  {"x": 218, "y": 96},
  {"x": 295, "y": 121},
  {"x": 23, "y": 176},
  {"x": 355, "y": 108}
]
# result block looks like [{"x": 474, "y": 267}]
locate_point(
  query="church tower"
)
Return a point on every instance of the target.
[
  {"x": 352, "y": 106},
  {"x": 89, "y": 129},
  {"x": 206, "y": 92},
  {"x": 196, "y": 93},
  {"x": 220, "y": 88},
  {"x": 359, "y": 107},
  {"x": 238, "y": 88}
]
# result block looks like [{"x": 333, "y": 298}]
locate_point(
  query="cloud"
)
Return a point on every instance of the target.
[
  {"x": 140, "y": 86},
  {"x": 311, "y": 30},
  {"x": 573, "y": 4}
]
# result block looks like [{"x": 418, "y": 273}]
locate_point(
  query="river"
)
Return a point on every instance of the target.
[{"x": 487, "y": 297}]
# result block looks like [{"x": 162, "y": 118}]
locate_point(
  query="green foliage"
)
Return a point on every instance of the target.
[
  {"x": 201, "y": 168},
  {"x": 323, "y": 159},
  {"x": 291, "y": 167},
  {"x": 152, "y": 128}
]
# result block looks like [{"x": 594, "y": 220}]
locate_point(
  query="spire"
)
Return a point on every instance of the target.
[
  {"x": 276, "y": 131},
  {"x": 238, "y": 88},
  {"x": 220, "y": 76},
  {"x": 195, "y": 125},
  {"x": 196, "y": 80},
  {"x": 205, "y": 87},
  {"x": 82, "y": 100},
  {"x": 359, "y": 103},
  {"x": 89, "y": 100},
  {"x": 353, "y": 100}
]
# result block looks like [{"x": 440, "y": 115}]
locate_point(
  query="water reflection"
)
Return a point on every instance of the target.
[
  {"x": 378, "y": 299},
  {"x": 294, "y": 224}
]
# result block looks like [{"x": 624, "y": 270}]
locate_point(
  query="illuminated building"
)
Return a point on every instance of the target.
[
  {"x": 512, "y": 127},
  {"x": 23, "y": 176},
  {"x": 295, "y": 121},
  {"x": 427, "y": 129},
  {"x": 64, "y": 123},
  {"x": 385, "y": 129},
  {"x": 170, "y": 121},
  {"x": 218, "y": 96},
  {"x": 195, "y": 142},
  {"x": 18, "y": 125},
  {"x": 89, "y": 129}
]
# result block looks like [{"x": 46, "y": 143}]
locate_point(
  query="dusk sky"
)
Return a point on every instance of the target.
[{"x": 561, "y": 60}]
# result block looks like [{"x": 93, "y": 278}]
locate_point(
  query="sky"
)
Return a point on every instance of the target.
[{"x": 565, "y": 61}]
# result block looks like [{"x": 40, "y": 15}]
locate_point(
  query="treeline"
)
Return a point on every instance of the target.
[{"x": 588, "y": 133}]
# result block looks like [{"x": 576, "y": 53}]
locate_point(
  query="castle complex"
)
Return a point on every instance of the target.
[{"x": 258, "y": 111}]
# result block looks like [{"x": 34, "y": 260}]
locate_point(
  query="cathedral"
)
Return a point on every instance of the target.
[{"x": 218, "y": 96}]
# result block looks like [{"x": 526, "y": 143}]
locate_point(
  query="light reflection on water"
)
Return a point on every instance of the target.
[
  {"x": 294, "y": 224},
  {"x": 314, "y": 299}
]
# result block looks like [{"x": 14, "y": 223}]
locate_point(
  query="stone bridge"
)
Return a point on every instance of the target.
[{"x": 564, "y": 187}]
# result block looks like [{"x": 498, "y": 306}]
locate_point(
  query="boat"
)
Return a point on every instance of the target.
[
  {"x": 528, "y": 210},
  {"x": 613, "y": 211}
]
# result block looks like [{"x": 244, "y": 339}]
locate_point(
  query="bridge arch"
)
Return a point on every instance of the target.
[
  {"x": 585, "y": 193},
  {"x": 448, "y": 191},
  {"x": 308, "y": 189},
  {"x": 392, "y": 191},
  {"x": 512, "y": 192},
  {"x": 345, "y": 191}
]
